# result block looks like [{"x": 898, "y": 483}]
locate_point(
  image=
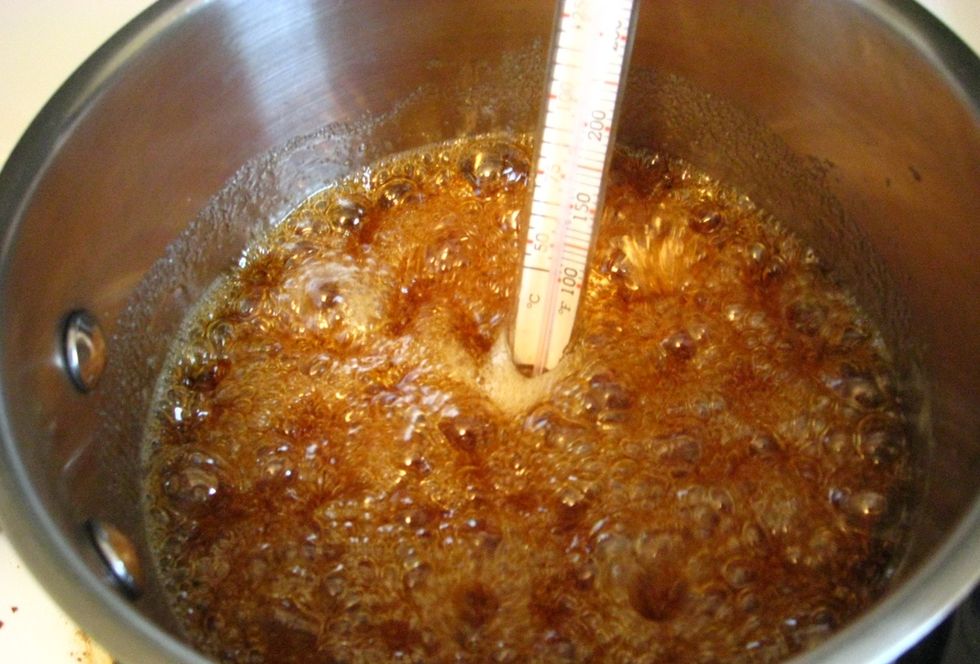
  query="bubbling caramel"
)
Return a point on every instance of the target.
[{"x": 343, "y": 464}]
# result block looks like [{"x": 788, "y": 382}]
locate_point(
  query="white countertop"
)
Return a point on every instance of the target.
[{"x": 41, "y": 44}]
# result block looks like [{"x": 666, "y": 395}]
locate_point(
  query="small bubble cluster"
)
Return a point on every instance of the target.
[{"x": 341, "y": 469}]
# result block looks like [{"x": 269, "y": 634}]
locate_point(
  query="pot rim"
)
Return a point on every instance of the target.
[{"x": 880, "y": 635}]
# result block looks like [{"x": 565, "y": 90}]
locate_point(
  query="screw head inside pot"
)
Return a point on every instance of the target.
[{"x": 83, "y": 349}]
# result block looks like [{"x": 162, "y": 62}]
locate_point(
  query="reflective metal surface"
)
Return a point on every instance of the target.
[
  {"x": 855, "y": 123},
  {"x": 83, "y": 349},
  {"x": 119, "y": 555}
]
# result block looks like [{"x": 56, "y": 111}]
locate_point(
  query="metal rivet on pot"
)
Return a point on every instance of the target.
[
  {"x": 83, "y": 349},
  {"x": 119, "y": 554}
]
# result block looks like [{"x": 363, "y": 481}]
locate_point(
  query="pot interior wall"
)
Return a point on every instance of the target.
[{"x": 803, "y": 106}]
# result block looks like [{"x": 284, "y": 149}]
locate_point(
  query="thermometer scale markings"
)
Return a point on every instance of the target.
[{"x": 588, "y": 59}]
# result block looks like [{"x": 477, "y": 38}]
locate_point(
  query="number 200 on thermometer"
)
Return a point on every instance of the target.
[{"x": 588, "y": 65}]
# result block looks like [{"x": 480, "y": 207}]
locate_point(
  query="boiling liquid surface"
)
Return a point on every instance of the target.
[{"x": 344, "y": 465}]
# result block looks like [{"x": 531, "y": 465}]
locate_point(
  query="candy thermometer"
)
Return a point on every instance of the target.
[{"x": 589, "y": 56}]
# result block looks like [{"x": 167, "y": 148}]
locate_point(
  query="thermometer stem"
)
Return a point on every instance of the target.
[{"x": 589, "y": 57}]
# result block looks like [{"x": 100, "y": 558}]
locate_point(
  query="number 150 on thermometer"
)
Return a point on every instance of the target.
[{"x": 589, "y": 56}]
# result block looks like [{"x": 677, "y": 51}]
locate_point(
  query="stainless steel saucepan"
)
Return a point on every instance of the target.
[{"x": 856, "y": 123}]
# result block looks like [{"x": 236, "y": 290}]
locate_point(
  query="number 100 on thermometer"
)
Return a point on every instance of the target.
[{"x": 588, "y": 65}]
